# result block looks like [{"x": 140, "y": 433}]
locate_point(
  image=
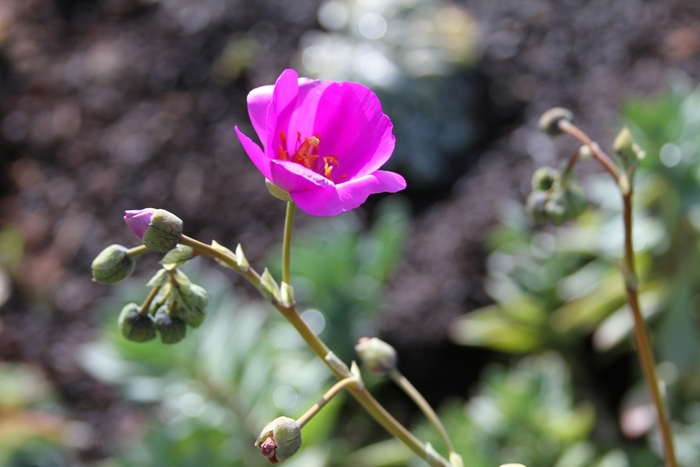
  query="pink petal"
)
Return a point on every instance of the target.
[
  {"x": 346, "y": 196},
  {"x": 280, "y": 110},
  {"x": 138, "y": 220},
  {"x": 304, "y": 115},
  {"x": 295, "y": 177},
  {"x": 352, "y": 126},
  {"x": 261, "y": 161},
  {"x": 258, "y": 101}
]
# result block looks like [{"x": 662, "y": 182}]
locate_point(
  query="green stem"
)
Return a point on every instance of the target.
[
  {"x": 143, "y": 310},
  {"x": 369, "y": 403},
  {"x": 420, "y": 401},
  {"x": 137, "y": 251},
  {"x": 330, "y": 394},
  {"x": 287, "y": 243}
]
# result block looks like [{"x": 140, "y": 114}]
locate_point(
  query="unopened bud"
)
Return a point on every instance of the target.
[
  {"x": 544, "y": 178},
  {"x": 113, "y": 265},
  {"x": 277, "y": 192},
  {"x": 377, "y": 355},
  {"x": 549, "y": 121},
  {"x": 626, "y": 148},
  {"x": 279, "y": 440},
  {"x": 134, "y": 326},
  {"x": 535, "y": 204},
  {"x": 171, "y": 328},
  {"x": 192, "y": 305},
  {"x": 159, "y": 229}
]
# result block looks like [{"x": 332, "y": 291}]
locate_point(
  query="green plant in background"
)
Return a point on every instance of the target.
[{"x": 554, "y": 286}]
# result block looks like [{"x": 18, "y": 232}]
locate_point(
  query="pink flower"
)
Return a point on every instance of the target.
[
  {"x": 139, "y": 220},
  {"x": 323, "y": 142}
]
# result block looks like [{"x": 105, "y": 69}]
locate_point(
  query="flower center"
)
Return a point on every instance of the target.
[{"x": 306, "y": 154}]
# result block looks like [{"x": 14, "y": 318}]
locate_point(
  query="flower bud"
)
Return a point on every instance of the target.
[
  {"x": 544, "y": 178},
  {"x": 277, "y": 192},
  {"x": 556, "y": 208},
  {"x": 377, "y": 355},
  {"x": 279, "y": 440},
  {"x": 113, "y": 265},
  {"x": 159, "y": 229},
  {"x": 549, "y": 121},
  {"x": 627, "y": 149},
  {"x": 134, "y": 326},
  {"x": 172, "y": 329},
  {"x": 535, "y": 206},
  {"x": 192, "y": 305}
]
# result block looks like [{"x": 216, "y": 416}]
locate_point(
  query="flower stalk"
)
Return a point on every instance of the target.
[
  {"x": 287, "y": 242},
  {"x": 415, "y": 395},
  {"x": 330, "y": 394},
  {"x": 369, "y": 403},
  {"x": 643, "y": 343}
]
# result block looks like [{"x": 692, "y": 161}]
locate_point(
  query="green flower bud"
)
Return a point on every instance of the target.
[
  {"x": 277, "y": 192},
  {"x": 192, "y": 305},
  {"x": 172, "y": 329},
  {"x": 556, "y": 208},
  {"x": 135, "y": 326},
  {"x": 544, "y": 178},
  {"x": 113, "y": 265},
  {"x": 535, "y": 206},
  {"x": 377, "y": 355},
  {"x": 279, "y": 440},
  {"x": 627, "y": 149},
  {"x": 549, "y": 121}
]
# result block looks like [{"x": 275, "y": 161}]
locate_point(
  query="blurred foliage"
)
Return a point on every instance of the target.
[
  {"x": 34, "y": 432},
  {"x": 555, "y": 287},
  {"x": 523, "y": 414},
  {"x": 413, "y": 54}
]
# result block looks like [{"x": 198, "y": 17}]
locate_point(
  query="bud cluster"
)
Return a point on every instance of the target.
[
  {"x": 177, "y": 304},
  {"x": 555, "y": 198}
]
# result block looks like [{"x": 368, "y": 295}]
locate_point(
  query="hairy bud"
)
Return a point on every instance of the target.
[
  {"x": 113, "y": 265},
  {"x": 377, "y": 355},
  {"x": 134, "y": 326},
  {"x": 172, "y": 329},
  {"x": 549, "y": 121},
  {"x": 279, "y": 440}
]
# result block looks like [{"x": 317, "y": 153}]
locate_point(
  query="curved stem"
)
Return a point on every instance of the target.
[
  {"x": 330, "y": 394},
  {"x": 641, "y": 336},
  {"x": 598, "y": 154},
  {"x": 369, "y": 403},
  {"x": 420, "y": 401},
  {"x": 287, "y": 243}
]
